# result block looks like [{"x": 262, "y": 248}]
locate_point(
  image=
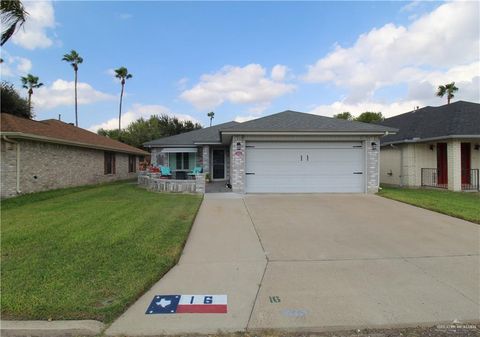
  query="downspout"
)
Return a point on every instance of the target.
[{"x": 18, "y": 161}]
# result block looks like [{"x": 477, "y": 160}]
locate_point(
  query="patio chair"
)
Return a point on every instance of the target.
[
  {"x": 165, "y": 172},
  {"x": 196, "y": 170}
]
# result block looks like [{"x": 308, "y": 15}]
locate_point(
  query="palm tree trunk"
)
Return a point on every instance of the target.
[
  {"x": 76, "y": 111},
  {"x": 448, "y": 99},
  {"x": 120, "y": 112},
  {"x": 30, "y": 102}
]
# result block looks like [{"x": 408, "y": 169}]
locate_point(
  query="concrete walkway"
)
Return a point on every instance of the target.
[
  {"x": 322, "y": 262},
  {"x": 222, "y": 256}
]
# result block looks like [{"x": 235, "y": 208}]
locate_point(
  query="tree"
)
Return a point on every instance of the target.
[
  {"x": 211, "y": 115},
  {"x": 30, "y": 82},
  {"x": 122, "y": 74},
  {"x": 370, "y": 117},
  {"x": 12, "y": 102},
  {"x": 74, "y": 59},
  {"x": 448, "y": 89},
  {"x": 13, "y": 16},
  {"x": 141, "y": 131},
  {"x": 344, "y": 115}
]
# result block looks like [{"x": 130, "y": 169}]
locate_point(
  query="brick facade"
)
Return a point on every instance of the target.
[
  {"x": 237, "y": 164},
  {"x": 46, "y": 166}
]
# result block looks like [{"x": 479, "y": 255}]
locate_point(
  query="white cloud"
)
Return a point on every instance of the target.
[
  {"x": 124, "y": 16},
  {"x": 34, "y": 32},
  {"x": 439, "y": 47},
  {"x": 139, "y": 111},
  {"x": 14, "y": 66},
  {"x": 239, "y": 85},
  {"x": 279, "y": 72},
  {"x": 247, "y": 118},
  {"x": 61, "y": 92}
]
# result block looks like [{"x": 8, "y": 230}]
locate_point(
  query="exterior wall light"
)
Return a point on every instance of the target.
[
  {"x": 477, "y": 147},
  {"x": 374, "y": 146},
  {"x": 432, "y": 147},
  {"x": 239, "y": 146}
]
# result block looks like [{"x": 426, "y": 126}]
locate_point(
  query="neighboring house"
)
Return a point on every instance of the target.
[
  {"x": 288, "y": 152},
  {"x": 435, "y": 147},
  {"x": 50, "y": 154}
]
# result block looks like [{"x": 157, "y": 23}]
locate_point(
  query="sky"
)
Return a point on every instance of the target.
[{"x": 244, "y": 60}]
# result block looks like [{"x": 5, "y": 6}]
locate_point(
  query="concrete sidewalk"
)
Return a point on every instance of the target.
[{"x": 222, "y": 256}]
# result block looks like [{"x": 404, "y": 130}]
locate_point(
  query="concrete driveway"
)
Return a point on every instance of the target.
[{"x": 316, "y": 262}]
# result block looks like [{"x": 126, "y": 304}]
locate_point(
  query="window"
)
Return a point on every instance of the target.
[
  {"x": 182, "y": 161},
  {"x": 132, "y": 163},
  {"x": 109, "y": 163}
]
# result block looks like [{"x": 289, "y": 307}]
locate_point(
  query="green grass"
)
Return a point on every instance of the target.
[
  {"x": 88, "y": 252},
  {"x": 463, "y": 205}
]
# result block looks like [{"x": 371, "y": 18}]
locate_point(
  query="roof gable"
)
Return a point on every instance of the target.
[
  {"x": 55, "y": 131},
  {"x": 456, "y": 119},
  {"x": 293, "y": 121}
]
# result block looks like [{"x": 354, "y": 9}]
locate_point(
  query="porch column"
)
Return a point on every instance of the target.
[
  {"x": 206, "y": 158},
  {"x": 454, "y": 165}
]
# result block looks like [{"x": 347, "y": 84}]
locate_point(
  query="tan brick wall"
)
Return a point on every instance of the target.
[{"x": 46, "y": 166}]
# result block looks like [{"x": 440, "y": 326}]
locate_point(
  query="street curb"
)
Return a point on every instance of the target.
[{"x": 50, "y": 329}]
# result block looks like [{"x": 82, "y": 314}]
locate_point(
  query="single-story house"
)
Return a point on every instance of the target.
[
  {"x": 435, "y": 147},
  {"x": 49, "y": 154},
  {"x": 287, "y": 152}
]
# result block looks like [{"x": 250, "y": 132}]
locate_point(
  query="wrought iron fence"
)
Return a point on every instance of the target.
[
  {"x": 430, "y": 178},
  {"x": 470, "y": 179}
]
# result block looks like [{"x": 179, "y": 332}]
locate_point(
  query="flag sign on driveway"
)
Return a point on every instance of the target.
[{"x": 185, "y": 304}]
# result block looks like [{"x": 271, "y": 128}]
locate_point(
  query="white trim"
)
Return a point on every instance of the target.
[
  {"x": 179, "y": 150},
  {"x": 422, "y": 140},
  {"x": 293, "y": 133}
]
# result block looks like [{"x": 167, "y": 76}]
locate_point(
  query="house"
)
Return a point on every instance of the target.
[
  {"x": 435, "y": 147},
  {"x": 288, "y": 152},
  {"x": 49, "y": 154}
]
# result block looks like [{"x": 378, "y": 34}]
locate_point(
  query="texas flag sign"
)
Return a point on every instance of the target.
[{"x": 188, "y": 304}]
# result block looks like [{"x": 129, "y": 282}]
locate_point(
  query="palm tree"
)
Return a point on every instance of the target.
[
  {"x": 211, "y": 115},
  {"x": 13, "y": 16},
  {"x": 74, "y": 59},
  {"x": 30, "y": 82},
  {"x": 122, "y": 74},
  {"x": 448, "y": 89}
]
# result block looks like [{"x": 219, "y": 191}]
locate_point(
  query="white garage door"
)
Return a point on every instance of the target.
[{"x": 300, "y": 167}]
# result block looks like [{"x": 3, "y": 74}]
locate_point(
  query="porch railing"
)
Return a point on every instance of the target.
[
  {"x": 430, "y": 178},
  {"x": 470, "y": 180}
]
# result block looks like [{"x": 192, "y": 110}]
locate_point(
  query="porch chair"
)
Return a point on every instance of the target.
[
  {"x": 165, "y": 172},
  {"x": 196, "y": 170}
]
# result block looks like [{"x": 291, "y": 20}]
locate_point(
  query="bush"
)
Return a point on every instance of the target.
[{"x": 12, "y": 102}]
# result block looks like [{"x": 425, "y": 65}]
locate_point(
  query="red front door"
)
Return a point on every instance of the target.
[
  {"x": 465, "y": 160},
  {"x": 442, "y": 165}
]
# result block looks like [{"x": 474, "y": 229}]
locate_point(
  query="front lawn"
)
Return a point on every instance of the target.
[
  {"x": 463, "y": 205},
  {"x": 88, "y": 252}
]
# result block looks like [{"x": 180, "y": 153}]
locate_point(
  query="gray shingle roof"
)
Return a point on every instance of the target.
[
  {"x": 292, "y": 121},
  {"x": 455, "y": 119},
  {"x": 205, "y": 135}
]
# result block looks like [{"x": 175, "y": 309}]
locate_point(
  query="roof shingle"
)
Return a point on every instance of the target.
[
  {"x": 62, "y": 132},
  {"x": 456, "y": 119}
]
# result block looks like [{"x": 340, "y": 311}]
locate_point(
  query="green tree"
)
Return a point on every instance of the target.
[
  {"x": 344, "y": 115},
  {"x": 122, "y": 74},
  {"x": 30, "y": 82},
  {"x": 211, "y": 115},
  {"x": 448, "y": 89},
  {"x": 13, "y": 16},
  {"x": 370, "y": 117},
  {"x": 74, "y": 59},
  {"x": 144, "y": 130},
  {"x": 12, "y": 102}
]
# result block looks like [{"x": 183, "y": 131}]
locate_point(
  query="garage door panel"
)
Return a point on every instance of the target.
[{"x": 304, "y": 167}]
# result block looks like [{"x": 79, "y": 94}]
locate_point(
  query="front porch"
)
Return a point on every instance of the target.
[{"x": 457, "y": 166}]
